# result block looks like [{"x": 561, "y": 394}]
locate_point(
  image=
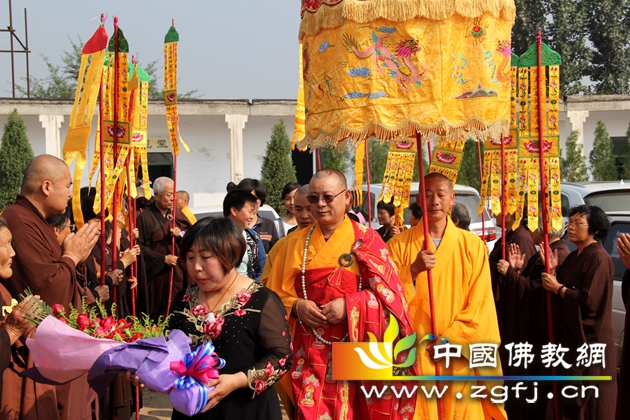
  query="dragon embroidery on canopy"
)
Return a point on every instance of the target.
[
  {"x": 504, "y": 71},
  {"x": 399, "y": 66}
]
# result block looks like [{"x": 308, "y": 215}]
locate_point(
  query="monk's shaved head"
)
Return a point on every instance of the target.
[
  {"x": 43, "y": 168},
  {"x": 332, "y": 173},
  {"x": 303, "y": 190},
  {"x": 439, "y": 177}
]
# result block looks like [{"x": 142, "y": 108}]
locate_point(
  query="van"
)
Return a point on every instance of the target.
[{"x": 463, "y": 194}]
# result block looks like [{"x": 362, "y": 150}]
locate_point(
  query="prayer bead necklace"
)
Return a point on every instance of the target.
[{"x": 317, "y": 335}]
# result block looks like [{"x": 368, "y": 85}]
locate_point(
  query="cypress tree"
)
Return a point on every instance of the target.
[
  {"x": 625, "y": 157},
  {"x": 469, "y": 170},
  {"x": 573, "y": 168},
  {"x": 15, "y": 155},
  {"x": 277, "y": 169},
  {"x": 601, "y": 157}
]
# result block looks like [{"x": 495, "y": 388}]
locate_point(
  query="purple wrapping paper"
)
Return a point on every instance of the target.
[{"x": 150, "y": 360}]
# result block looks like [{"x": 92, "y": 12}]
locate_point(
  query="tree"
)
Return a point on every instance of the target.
[
  {"x": 469, "y": 169},
  {"x": 601, "y": 157},
  {"x": 573, "y": 168},
  {"x": 608, "y": 24},
  {"x": 15, "y": 155},
  {"x": 625, "y": 157},
  {"x": 334, "y": 158},
  {"x": 530, "y": 18},
  {"x": 277, "y": 168},
  {"x": 566, "y": 34}
]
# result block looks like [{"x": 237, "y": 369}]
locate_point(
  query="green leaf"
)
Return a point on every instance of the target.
[
  {"x": 410, "y": 360},
  {"x": 392, "y": 330},
  {"x": 404, "y": 344}
]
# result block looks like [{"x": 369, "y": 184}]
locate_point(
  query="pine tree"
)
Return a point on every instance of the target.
[
  {"x": 625, "y": 157},
  {"x": 277, "y": 169},
  {"x": 601, "y": 157},
  {"x": 567, "y": 35},
  {"x": 530, "y": 17},
  {"x": 608, "y": 24},
  {"x": 573, "y": 168},
  {"x": 334, "y": 158},
  {"x": 469, "y": 170},
  {"x": 15, "y": 155}
]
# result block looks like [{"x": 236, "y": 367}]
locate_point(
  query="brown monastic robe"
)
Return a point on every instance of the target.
[
  {"x": 584, "y": 315},
  {"x": 155, "y": 241},
  {"x": 524, "y": 292},
  {"x": 623, "y": 394},
  {"x": 39, "y": 266}
]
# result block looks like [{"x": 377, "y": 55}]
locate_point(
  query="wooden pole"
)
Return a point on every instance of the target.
[
  {"x": 483, "y": 213},
  {"x": 544, "y": 190},
  {"x": 367, "y": 174},
  {"x": 425, "y": 224}
]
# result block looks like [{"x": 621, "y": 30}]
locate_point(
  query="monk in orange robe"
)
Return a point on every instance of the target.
[
  {"x": 304, "y": 218},
  {"x": 338, "y": 284},
  {"x": 464, "y": 307}
]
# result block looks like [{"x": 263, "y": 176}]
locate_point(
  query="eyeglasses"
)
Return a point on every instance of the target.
[
  {"x": 328, "y": 198},
  {"x": 73, "y": 228},
  {"x": 576, "y": 224}
]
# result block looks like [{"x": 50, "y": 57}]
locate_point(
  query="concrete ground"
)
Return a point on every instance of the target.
[{"x": 158, "y": 407}]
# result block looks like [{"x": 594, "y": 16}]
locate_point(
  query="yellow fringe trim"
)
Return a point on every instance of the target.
[
  {"x": 363, "y": 11},
  {"x": 474, "y": 127}
]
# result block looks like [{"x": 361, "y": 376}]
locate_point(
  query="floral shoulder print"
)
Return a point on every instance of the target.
[{"x": 250, "y": 332}]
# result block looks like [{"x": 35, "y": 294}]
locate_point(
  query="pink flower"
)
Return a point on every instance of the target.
[
  {"x": 213, "y": 329},
  {"x": 240, "y": 312},
  {"x": 199, "y": 310},
  {"x": 260, "y": 386},
  {"x": 282, "y": 361},
  {"x": 243, "y": 297},
  {"x": 186, "y": 298},
  {"x": 269, "y": 369},
  {"x": 58, "y": 310},
  {"x": 84, "y": 321},
  {"x": 108, "y": 323}
]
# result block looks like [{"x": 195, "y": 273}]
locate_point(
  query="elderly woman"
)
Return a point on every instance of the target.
[
  {"x": 582, "y": 316},
  {"x": 12, "y": 323},
  {"x": 524, "y": 291},
  {"x": 245, "y": 321}
]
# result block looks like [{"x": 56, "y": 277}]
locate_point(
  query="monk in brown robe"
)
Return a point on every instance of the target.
[
  {"x": 48, "y": 271},
  {"x": 623, "y": 402},
  {"x": 156, "y": 233},
  {"x": 582, "y": 316},
  {"x": 504, "y": 293},
  {"x": 529, "y": 299}
]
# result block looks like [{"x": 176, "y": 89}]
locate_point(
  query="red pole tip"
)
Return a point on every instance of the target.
[
  {"x": 115, "y": 20},
  {"x": 173, "y": 22}
]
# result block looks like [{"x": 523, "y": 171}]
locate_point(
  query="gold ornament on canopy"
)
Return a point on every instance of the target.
[{"x": 393, "y": 69}]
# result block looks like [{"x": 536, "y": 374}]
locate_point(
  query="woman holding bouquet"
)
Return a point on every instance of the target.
[{"x": 245, "y": 321}]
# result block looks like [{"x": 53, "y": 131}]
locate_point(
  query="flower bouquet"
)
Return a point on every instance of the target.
[{"x": 70, "y": 344}]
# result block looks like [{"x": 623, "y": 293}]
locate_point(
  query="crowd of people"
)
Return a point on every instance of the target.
[{"x": 274, "y": 295}]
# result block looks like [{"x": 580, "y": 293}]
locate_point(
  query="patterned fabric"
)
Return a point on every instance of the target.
[
  {"x": 251, "y": 333},
  {"x": 388, "y": 78},
  {"x": 316, "y": 393}
]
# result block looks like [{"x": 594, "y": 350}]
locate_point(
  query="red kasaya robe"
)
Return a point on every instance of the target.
[{"x": 316, "y": 394}]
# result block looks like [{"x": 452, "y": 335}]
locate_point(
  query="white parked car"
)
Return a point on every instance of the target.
[
  {"x": 265, "y": 211},
  {"x": 463, "y": 194}
]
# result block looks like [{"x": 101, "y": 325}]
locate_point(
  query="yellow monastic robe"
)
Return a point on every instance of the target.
[
  {"x": 283, "y": 386},
  {"x": 271, "y": 256},
  {"x": 189, "y": 215},
  {"x": 465, "y": 314}
]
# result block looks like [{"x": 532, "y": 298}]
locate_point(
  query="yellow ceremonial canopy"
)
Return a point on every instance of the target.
[{"x": 395, "y": 68}]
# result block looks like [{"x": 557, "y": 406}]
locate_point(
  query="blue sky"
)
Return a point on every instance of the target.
[{"x": 229, "y": 49}]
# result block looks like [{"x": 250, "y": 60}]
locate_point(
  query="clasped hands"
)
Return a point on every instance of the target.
[{"x": 313, "y": 315}]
